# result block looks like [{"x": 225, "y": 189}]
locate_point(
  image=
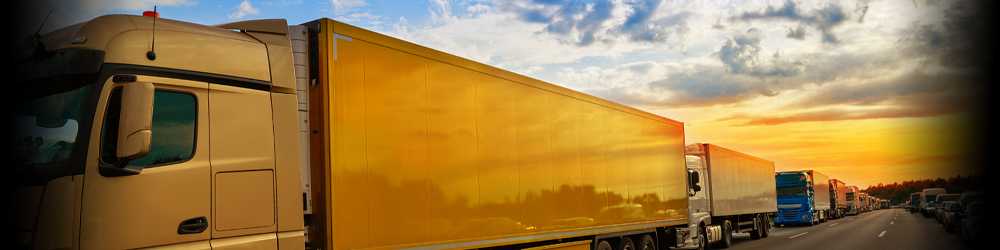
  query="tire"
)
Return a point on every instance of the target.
[
  {"x": 767, "y": 228},
  {"x": 702, "y": 239},
  {"x": 727, "y": 235},
  {"x": 604, "y": 245},
  {"x": 755, "y": 233},
  {"x": 626, "y": 244},
  {"x": 646, "y": 243}
]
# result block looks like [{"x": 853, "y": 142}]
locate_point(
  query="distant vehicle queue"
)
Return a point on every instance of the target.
[{"x": 957, "y": 212}]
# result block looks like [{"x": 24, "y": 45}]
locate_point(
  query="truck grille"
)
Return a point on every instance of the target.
[{"x": 790, "y": 215}]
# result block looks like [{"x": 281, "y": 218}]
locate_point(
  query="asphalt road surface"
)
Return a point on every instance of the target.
[{"x": 876, "y": 230}]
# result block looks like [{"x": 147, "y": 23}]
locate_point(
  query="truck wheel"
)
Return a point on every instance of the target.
[
  {"x": 727, "y": 235},
  {"x": 646, "y": 243},
  {"x": 626, "y": 244},
  {"x": 755, "y": 233},
  {"x": 604, "y": 245},
  {"x": 702, "y": 239}
]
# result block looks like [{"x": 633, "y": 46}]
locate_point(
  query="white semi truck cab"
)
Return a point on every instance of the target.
[{"x": 729, "y": 192}]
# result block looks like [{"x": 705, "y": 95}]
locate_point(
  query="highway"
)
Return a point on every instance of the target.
[{"x": 876, "y": 230}]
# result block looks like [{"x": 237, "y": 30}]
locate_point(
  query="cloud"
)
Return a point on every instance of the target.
[
  {"x": 823, "y": 19},
  {"x": 143, "y": 4},
  {"x": 741, "y": 55},
  {"x": 499, "y": 39},
  {"x": 578, "y": 20},
  {"x": 477, "y": 9},
  {"x": 676, "y": 85},
  {"x": 797, "y": 33},
  {"x": 343, "y": 6},
  {"x": 245, "y": 8},
  {"x": 585, "y": 22},
  {"x": 705, "y": 86},
  {"x": 718, "y": 25},
  {"x": 440, "y": 11},
  {"x": 640, "y": 25},
  {"x": 862, "y": 9},
  {"x": 914, "y": 94},
  {"x": 835, "y": 114},
  {"x": 915, "y": 88},
  {"x": 957, "y": 41}
]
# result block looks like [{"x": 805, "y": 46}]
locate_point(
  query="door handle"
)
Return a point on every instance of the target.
[{"x": 193, "y": 225}]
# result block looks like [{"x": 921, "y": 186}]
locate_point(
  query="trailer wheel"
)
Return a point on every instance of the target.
[
  {"x": 646, "y": 243},
  {"x": 604, "y": 245},
  {"x": 755, "y": 233},
  {"x": 626, "y": 244},
  {"x": 767, "y": 227}
]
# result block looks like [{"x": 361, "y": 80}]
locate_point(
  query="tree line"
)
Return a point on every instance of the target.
[{"x": 900, "y": 192}]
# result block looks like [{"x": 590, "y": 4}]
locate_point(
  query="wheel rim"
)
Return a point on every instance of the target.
[
  {"x": 647, "y": 243},
  {"x": 627, "y": 244},
  {"x": 603, "y": 245},
  {"x": 702, "y": 241}
]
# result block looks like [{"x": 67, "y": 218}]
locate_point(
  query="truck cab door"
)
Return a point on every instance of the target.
[
  {"x": 242, "y": 157},
  {"x": 167, "y": 202},
  {"x": 698, "y": 203}
]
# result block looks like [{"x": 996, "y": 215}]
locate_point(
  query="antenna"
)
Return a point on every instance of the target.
[
  {"x": 36, "y": 39},
  {"x": 42, "y": 25},
  {"x": 151, "y": 54}
]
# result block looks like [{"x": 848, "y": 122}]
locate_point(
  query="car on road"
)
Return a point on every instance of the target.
[
  {"x": 927, "y": 199},
  {"x": 969, "y": 197},
  {"x": 939, "y": 204},
  {"x": 950, "y": 216},
  {"x": 972, "y": 227}
]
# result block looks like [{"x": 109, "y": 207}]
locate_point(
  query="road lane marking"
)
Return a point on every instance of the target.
[
  {"x": 797, "y": 235},
  {"x": 834, "y": 224},
  {"x": 892, "y": 222},
  {"x": 881, "y": 234}
]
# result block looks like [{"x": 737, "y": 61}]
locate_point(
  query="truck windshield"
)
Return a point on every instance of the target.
[
  {"x": 47, "y": 127},
  {"x": 944, "y": 198},
  {"x": 930, "y": 197},
  {"x": 792, "y": 191}
]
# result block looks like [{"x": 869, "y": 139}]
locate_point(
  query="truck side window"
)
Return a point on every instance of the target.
[{"x": 174, "y": 123}]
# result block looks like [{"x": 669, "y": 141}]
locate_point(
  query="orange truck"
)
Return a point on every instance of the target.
[{"x": 142, "y": 132}]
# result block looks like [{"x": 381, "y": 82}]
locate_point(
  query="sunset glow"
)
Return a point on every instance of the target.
[{"x": 864, "y": 91}]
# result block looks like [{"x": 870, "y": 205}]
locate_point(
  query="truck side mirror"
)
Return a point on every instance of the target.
[{"x": 135, "y": 126}]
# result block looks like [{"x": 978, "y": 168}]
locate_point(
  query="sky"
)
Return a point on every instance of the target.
[{"x": 866, "y": 91}]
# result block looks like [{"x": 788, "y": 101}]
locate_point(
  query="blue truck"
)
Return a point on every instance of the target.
[{"x": 803, "y": 197}]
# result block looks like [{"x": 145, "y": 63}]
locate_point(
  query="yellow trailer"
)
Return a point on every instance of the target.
[{"x": 413, "y": 147}]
